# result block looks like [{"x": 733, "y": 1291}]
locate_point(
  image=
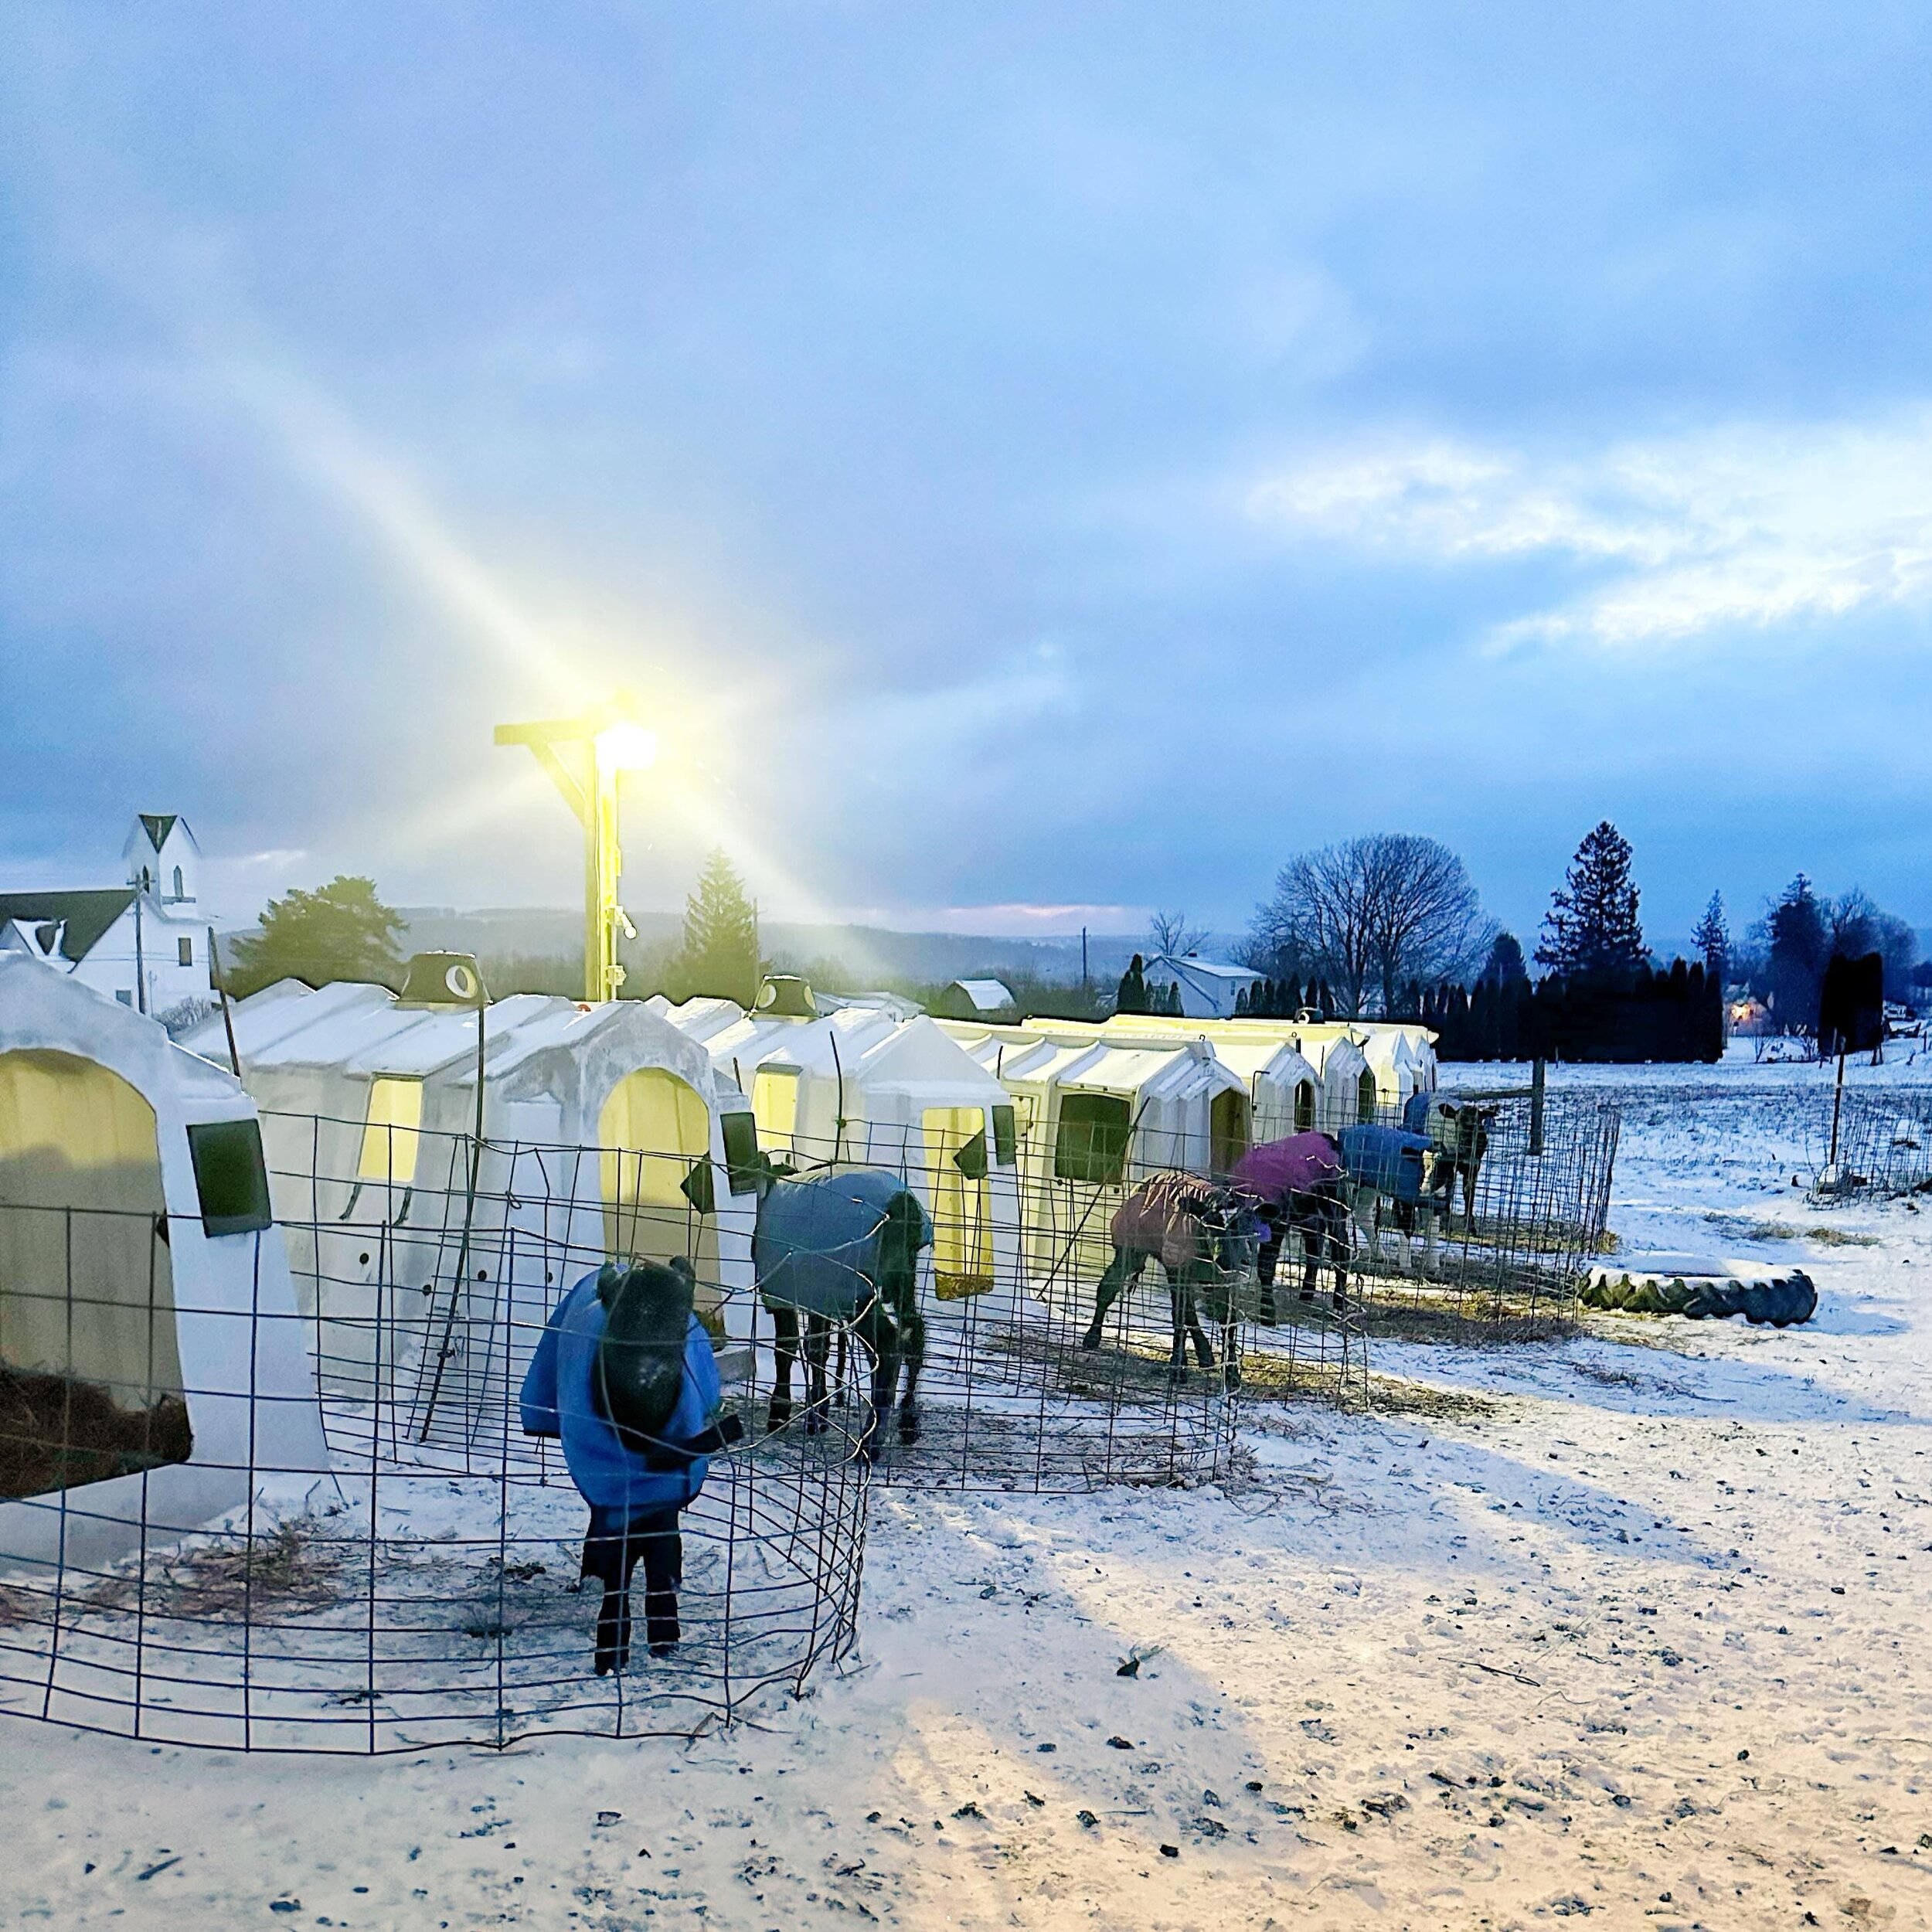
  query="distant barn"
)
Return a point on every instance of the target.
[{"x": 987, "y": 999}]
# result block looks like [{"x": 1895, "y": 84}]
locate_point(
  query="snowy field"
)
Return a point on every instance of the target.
[{"x": 1632, "y": 1627}]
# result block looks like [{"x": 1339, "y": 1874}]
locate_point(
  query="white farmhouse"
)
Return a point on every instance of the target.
[
  {"x": 144, "y": 944},
  {"x": 1208, "y": 986}
]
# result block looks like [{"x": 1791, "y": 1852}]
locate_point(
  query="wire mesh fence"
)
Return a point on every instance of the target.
[
  {"x": 302, "y": 1513},
  {"x": 1883, "y": 1143},
  {"x": 1519, "y": 1210},
  {"x": 1069, "y": 1200},
  {"x": 194, "y": 1548},
  {"x": 1523, "y": 1205},
  {"x": 1015, "y": 1390},
  {"x": 427, "y": 1299}
]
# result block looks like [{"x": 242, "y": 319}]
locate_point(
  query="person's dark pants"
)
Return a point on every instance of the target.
[{"x": 611, "y": 1551}]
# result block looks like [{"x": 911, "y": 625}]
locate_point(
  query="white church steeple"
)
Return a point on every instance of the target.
[{"x": 163, "y": 858}]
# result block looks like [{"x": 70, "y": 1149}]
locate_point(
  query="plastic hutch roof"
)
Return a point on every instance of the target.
[{"x": 596, "y": 1119}]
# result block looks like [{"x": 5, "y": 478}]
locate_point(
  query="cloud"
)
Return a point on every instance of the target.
[{"x": 1746, "y": 525}]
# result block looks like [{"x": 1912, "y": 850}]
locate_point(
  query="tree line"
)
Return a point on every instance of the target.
[
  {"x": 1386, "y": 925},
  {"x": 1390, "y": 926},
  {"x": 343, "y": 930}
]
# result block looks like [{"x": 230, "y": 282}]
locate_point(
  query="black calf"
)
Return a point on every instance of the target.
[
  {"x": 1319, "y": 1217},
  {"x": 887, "y": 1323}
]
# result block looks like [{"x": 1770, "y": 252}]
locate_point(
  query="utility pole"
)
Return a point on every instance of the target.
[
  {"x": 585, "y": 757},
  {"x": 141, "y": 963}
]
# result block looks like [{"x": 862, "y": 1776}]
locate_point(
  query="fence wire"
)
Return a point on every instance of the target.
[
  {"x": 1884, "y": 1143},
  {"x": 372, "y": 1557},
  {"x": 1520, "y": 1228},
  {"x": 415, "y": 1582}
]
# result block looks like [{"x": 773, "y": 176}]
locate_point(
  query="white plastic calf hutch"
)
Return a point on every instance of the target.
[
  {"x": 1284, "y": 1089},
  {"x": 605, "y": 1132},
  {"x": 1096, "y": 1116},
  {"x": 1283, "y": 1086},
  {"x": 1347, "y": 1089},
  {"x": 1349, "y": 1092},
  {"x": 1403, "y": 1059},
  {"x": 150, "y": 1354},
  {"x": 860, "y": 1084}
]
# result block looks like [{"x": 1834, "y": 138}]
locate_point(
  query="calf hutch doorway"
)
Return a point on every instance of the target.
[
  {"x": 962, "y": 1201},
  {"x": 655, "y": 1134},
  {"x": 1228, "y": 1130},
  {"x": 89, "y": 1361}
]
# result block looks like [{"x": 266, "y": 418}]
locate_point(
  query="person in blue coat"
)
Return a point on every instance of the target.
[{"x": 624, "y": 1377}]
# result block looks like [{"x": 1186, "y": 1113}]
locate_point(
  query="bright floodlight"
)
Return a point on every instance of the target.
[{"x": 624, "y": 746}]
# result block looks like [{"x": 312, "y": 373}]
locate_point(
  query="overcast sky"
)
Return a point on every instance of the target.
[{"x": 1034, "y": 462}]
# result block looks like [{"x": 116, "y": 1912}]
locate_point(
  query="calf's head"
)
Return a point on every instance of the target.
[
  {"x": 640, "y": 1372},
  {"x": 1232, "y": 1229}
]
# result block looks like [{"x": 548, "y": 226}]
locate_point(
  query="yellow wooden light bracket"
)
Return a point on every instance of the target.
[{"x": 584, "y": 758}]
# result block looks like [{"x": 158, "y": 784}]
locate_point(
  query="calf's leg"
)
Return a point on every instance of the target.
[
  {"x": 817, "y": 1347},
  {"x": 1337, "y": 1225},
  {"x": 785, "y": 1348},
  {"x": 1266, "y": 1258},
  {"x": 608, "y": 1557},
  {"x": 912, "y": 1351},
  {"x": 1122, "y": 1272},
  {"x": 1185, "y": 1307},
  {"x": 880, "y": 1340},
  {"x": 660, "y": 1543}
]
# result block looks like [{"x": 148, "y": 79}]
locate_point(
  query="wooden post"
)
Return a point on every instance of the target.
[
  {"x": 1837, "y": 1102},
  {"x": 221, "y": 987},
  {"x": 1536, "y": 1109}
]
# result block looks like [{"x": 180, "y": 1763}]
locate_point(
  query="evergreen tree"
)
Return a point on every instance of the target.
[
  {"x": 1505, "y": 961},
  {"x": 1482, "y": 1020},
  {"x": 1799, "y": 937},
  {"x": 340, "y": 931},
  {"x": 1131, "y": 997},
  {"x": 1591, "y": 930},
  {"x": 720, "y": 954},
  {"x": 1712, "y": 939}
]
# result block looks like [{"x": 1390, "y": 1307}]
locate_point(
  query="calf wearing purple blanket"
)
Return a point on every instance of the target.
[{"x": 1296, "y": 1186}]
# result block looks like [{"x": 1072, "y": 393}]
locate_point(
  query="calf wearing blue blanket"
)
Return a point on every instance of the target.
[
  {"x": 1388, "y": 1167},
  {"x": 624, "y": 1375}
]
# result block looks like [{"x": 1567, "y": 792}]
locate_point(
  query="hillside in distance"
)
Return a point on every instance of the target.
[{"x": 863, "y": 953}]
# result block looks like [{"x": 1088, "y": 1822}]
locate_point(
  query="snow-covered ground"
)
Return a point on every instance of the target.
[{"x": 1635, "y": 1625}]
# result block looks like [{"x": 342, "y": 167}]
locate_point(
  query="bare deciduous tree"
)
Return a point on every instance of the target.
[
  {"x": 1426, "y": 922},
  {"x": 1378, "y": 911},
  {"x": 1170, "y": 934}
]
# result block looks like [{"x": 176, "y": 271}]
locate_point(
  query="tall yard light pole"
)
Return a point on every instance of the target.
[{"x": 585, "y": 757}]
